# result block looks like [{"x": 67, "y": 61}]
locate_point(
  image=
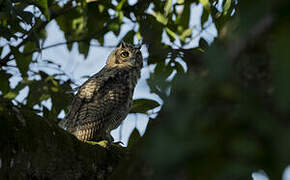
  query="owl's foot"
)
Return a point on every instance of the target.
[
  {"x": 116, "y": 149},
  {"x": 103, "y": 143}
]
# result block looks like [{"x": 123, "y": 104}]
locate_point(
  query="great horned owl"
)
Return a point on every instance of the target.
[{"x": 105, "y": 99}]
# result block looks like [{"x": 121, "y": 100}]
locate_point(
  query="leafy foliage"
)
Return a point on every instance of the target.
[
  {"x": 226, "y": 104},
  {"x": 143, "y": 105}
]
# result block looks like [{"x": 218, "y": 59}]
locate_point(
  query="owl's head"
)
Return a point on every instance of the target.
[{"x": 126, "y": 55}]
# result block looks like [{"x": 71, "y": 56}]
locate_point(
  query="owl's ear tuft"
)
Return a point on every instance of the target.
[{"x": 123, "y": 45}]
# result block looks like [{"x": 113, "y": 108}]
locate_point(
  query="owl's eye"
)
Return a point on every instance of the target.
[{"x": 124, "y": 54}]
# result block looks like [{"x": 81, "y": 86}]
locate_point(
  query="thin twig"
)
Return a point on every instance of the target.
[{"x": 65, "y": 43}]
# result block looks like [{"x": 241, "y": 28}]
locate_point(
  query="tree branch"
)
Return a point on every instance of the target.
[
  {"x": 32, "y": 147},
  {"x": 63, "y": 43}
]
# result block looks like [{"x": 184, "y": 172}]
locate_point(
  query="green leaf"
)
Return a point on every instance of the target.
[
  {"x": 44, "y": 8},
  {"x": 10, "y": 95},
  {"x": 44, "y": 97},
  {"x": 205, "y": 4},
  {"x": 185, "y": 34},
  {"x": 160, "y": 18},
  {"x": 120, "y": 14},
  {"x": 167, "y": 7},
  {"x": 36, "y": 89},
  {"x": 134, "y": 138},
  {"x": 172, "y": 34},
  {"x": 226, "y": 6},
  {"x": 69, "y": 46},
  {"x": 143, "y": 105},
  {"x": 4, "y": 79},
  {"x": 101, "y": 40},
  {"x": 204, "y": 17},
  {"x": 79, "y": 24},
  {"x": 129, "y": 37},
  {"x": 203, "y": 43},
  {"x": 180, "y": 1},
  {"x": 101, "y": 8},
  {"x": 182, "y": 21},
  {"x": 120, "y": 5},
  {"x": 138, "y": 35},
  {"x": 28, "y": 48},
  {"x": 22, "y": 62},
  {"x": 84, "y": 48},
  {"x": 115, "y": 27}
]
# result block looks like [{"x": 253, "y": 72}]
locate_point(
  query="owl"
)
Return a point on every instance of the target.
[{"x": 105, "y": 99}]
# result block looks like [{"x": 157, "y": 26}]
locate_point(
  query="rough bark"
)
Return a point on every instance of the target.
[{"x": 32, "y": 147}]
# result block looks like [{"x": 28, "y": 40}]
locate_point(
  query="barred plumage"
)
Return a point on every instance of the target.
[{"x": 104, "y": 100}]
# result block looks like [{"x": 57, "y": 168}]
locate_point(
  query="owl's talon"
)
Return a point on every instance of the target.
[{"x": 103, "y": 143}]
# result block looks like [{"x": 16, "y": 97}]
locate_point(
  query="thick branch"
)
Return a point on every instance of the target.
[{"x": 32, "y": 147}]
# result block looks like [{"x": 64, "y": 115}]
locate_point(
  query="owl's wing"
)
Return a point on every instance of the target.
[
  {"x": 94, "y": 104},
  {"x": 85, "y": 93}
]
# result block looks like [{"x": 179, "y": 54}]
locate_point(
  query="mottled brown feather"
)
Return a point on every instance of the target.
[{"x": 104, "y": 100}]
